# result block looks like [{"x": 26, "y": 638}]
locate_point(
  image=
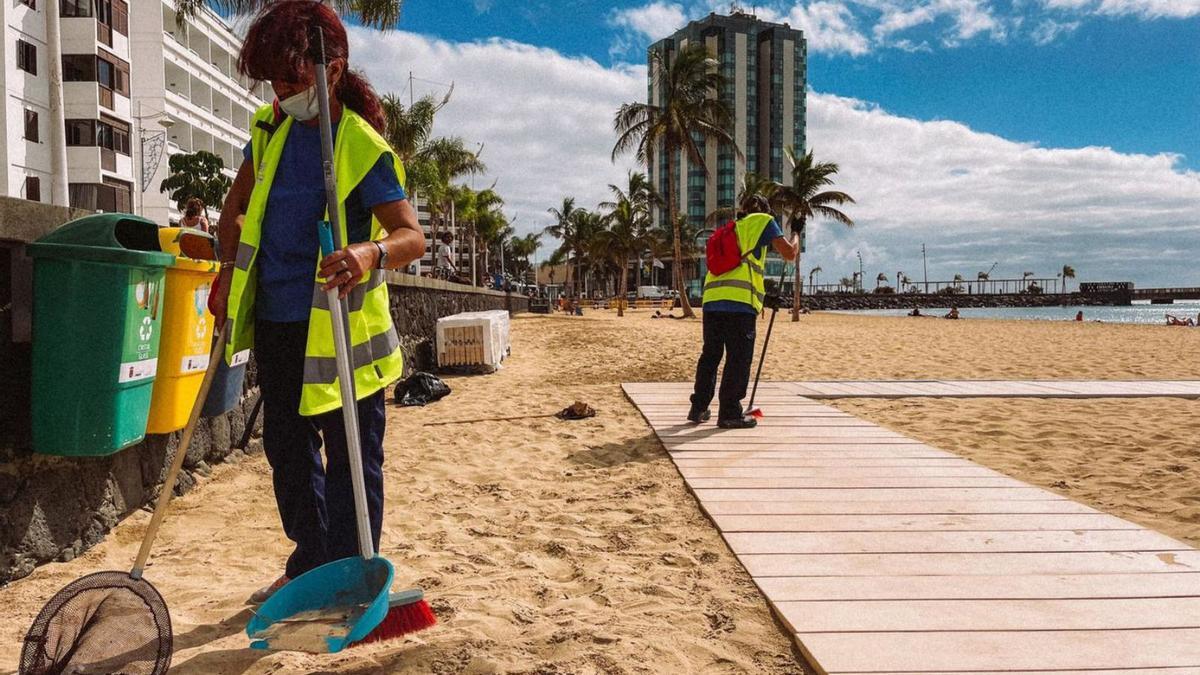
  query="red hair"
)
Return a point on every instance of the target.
[{"x": 281, "y": 41}]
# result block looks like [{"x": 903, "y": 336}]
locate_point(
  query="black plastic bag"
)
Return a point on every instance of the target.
[{"x": 420, "y": 389}]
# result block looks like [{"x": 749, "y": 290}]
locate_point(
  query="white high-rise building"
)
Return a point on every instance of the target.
[
  {"x": 134, "y": 92},
  {"x": 187, "y": 95},
  {"x": 94, "y": 48}
]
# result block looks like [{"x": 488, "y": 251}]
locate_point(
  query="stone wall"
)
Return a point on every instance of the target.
[{"x": 54, "y": 508}]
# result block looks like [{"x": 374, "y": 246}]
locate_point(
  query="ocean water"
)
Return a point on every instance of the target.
[{"x": 1144, "y": 313}]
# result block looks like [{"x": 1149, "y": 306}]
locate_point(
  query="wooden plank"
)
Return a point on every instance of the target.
[
  {"x": 1035, "y": 562},
  {"x": 948, "y": 542},
  {"x": 838, "y": 470},
  {"x": 870, "y": 495},
  {"x": 822, "y": 426},
  {"x": 1003, "y": 651},
  {"x": 981, "y": 587},
  {"x": 933, "y": 463},
  {"x": 897, "y": 507},
  {"x": 855, "y": 616},
  {"x": 854, "y": 482},
  {"x": 946, "y": 522},
  {"x": 848, "y": 451},
  {"x": 738, "y": 437}
]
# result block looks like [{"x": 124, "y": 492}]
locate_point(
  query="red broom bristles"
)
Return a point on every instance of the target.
[{"x": 401, "y": 620}]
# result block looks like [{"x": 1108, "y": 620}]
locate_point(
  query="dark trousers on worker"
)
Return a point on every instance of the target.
[
  {"x": 315, "y": 498},
  {"x": 731, "y": 334}
]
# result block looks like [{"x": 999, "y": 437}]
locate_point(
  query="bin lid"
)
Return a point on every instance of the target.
[
  {"x": 194, "y": 250},
  {"x": 119, "y": 238}
]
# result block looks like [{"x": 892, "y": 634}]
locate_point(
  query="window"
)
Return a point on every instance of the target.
[
  {"x": 76, "y": 8},
  {"x": 112, "y": 13},
  {"x": 27, "y": 57},
  {"x": 108, "y": 134},
  {"x": 31, "y": 4},
  {"x": 112, "y": 73},
  {"x": 79, "y": 68},
  {"x": 33, "y": 188},
  {"x": 31, "y": 126}
]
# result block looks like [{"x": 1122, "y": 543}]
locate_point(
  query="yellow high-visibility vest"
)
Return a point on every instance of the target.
[
  {"x": 375, "y": 347},
  {"x": 743, "y": 283}
]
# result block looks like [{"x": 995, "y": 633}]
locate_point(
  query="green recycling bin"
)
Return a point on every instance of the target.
[{"x": 97, "y": 312}]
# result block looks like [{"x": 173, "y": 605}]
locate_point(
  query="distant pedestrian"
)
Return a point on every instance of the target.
[{"x": 193, "y": 215}]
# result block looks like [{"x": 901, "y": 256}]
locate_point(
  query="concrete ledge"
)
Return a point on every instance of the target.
[
  {"x": 413, "y": 281},
  {"x": 24, "y": 221}
]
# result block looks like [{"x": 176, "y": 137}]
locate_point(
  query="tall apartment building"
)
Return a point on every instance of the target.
[
  {"x": 764, "y": 65},
  {"x": 188, "y": 96},
  {"x": 94, "y": 52}
]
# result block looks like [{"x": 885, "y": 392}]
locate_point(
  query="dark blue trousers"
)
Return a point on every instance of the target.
[
  {"x": 315, "y": 498},
  {"x": 728, "y": 334}
]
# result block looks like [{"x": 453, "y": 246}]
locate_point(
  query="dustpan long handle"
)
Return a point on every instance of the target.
[
  {"x": 339, "y": 312},
  {"x": 766, "y": 341},
  {"x": 185, "y": 441}
]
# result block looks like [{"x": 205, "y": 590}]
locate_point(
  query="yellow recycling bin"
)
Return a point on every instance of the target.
[{"x": 187, "y": 328}]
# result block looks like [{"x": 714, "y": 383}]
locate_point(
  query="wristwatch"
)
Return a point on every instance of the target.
[{"x": 383, "y": 255}]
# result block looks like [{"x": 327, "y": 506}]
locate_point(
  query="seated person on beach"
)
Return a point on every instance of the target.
[
  {"x": 916, "y": 312},
  {"x": 952, "y": 314},
  {"x": 732, "y": 302},
  {"x": 1079, "y": 315},
  {"x": 1173, "y": 320}
]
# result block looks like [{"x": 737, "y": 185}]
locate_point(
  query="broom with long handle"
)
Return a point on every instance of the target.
[
  {"x": 750, "y": 409},
  {"x": 408, "y": 611}
]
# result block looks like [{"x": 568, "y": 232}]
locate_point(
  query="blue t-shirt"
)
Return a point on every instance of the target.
[
  {"x": 769, "y": 235},
  {"x": 289, "y": 248}
]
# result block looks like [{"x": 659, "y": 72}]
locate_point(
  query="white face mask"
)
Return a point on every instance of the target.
[{"x": 302, "y": 106}]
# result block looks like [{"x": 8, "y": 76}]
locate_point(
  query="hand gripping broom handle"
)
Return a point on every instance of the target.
[
  {"x": 168, "y": 487},
  {"x": 766, "y": 341},
  {"x": 339, "y": 310}
]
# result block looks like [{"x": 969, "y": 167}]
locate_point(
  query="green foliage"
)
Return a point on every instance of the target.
[
  {"x": 688, "y": 113},
  {"x": 196, "y": 175}
]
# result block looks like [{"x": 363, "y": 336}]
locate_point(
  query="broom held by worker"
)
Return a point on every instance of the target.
[
  {"x": 732, "y": 303},
  {"x": 273, "y": 279}
]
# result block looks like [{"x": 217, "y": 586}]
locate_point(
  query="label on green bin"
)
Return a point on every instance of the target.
[{"x": 139, "y": 353}]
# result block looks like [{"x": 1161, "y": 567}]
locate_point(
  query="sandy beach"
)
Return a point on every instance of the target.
[{"x": 572, "y": 547}]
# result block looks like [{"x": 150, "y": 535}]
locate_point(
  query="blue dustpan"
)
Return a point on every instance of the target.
[{"x": 326, "y": 609}]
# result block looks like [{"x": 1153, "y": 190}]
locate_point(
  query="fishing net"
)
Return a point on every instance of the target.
[{"x": 106, "y": 623}]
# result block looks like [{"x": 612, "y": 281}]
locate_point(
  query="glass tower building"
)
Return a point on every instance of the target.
[{"x": 765, "y": 74}]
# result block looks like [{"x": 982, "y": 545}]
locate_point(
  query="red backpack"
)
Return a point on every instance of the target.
[{"x": 722, "y": 252}]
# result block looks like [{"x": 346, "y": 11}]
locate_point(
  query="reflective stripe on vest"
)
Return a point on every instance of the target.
[
  {"x": 376, "y": 356},
  {"x": 743, "y": 283}
]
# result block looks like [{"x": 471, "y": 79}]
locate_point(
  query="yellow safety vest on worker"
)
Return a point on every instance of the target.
[
  {"x": 375, "y": 348},
  {"x": 743, "y": 283}
]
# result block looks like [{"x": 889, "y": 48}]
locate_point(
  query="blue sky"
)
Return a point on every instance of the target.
[
  {"x": 1028, "y": 133},
  {"x": 1124, "y": 81}
]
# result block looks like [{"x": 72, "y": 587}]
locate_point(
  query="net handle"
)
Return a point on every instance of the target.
[{"x": 185, "y": 441}]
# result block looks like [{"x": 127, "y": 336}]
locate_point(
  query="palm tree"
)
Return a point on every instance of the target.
[
  {"x": 882, "y": 278},
  {"x": 520, "y": 249},
  {"x": 592, "y": 259},
  {"x": 982, "y": 277},
  {"x": 690, "y": 113},
  {"x": 753, "y": 185},
  {"x": 905, "y": 281},
  {"x": 846, "y": 283},
  {"x": 803, "y": 200},
  {"x": 958, "y": 279},
  {"x": 409, "y": 130},
  {"x": 811, "y": 273},
  {"x": 379, "y": 14},
  {"x": 563, "y": 229},
  {"x": 625, "y": 237},
  {"x": 1068, "y": 272}
]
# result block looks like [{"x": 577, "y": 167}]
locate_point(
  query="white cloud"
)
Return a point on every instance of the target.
[
  {"x": 1049, "y": 30},
  {"x": 968, "y": 18},
  {"x": 653, "y": 21},
  {"x": 829, "y": 27},
  {"x": 1145, "y": 9},
  {"x": 545, "y": 119},
  {"x": 974, "y": 198}
]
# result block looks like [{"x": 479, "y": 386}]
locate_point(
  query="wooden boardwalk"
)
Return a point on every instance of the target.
[
  {"x": 994, "y": 388},
  {"x": 885, "y": 555}
]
